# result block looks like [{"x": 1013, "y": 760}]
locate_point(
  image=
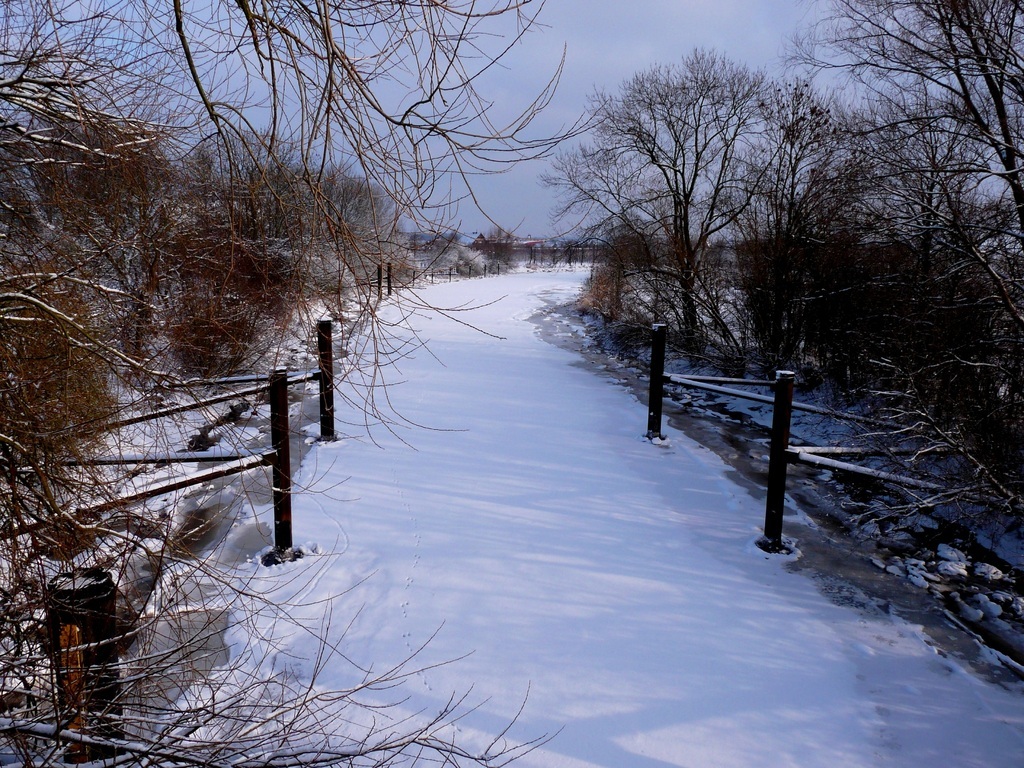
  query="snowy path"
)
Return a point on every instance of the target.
[{"x": 615, "y": 582}]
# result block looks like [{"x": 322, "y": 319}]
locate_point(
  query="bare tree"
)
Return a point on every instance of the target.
[
  {"x": 668, "y": 161},
  {"x": 168, "y": 171},
  {"x": 945, "y": 82},
  {"x": 952, "y": 69},
  {"x": 805, "y": 196}
]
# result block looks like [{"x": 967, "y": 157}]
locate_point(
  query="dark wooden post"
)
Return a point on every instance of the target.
[
  {"x": 657, "y": 389},
  {"x": 782, "y": 411},
  {"x": 389, "y": 278},
  {"x": 380, "y": 280},
  {"x": 325, "y": 357},
  {"x": 83, "y": 631},
  {"x": 281, "y": 467}
]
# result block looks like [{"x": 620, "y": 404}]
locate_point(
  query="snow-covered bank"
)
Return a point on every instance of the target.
[{"x": 517, "y": 521}]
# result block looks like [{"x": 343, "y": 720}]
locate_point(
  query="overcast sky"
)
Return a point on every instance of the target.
[{"x": 606, "y": 41}]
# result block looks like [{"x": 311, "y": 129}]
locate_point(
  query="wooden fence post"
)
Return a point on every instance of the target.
[
  {"x": 281, "y": 467},
  {"x": 782, "y": 411},
  {"x": 380, "y": 280},
  {"x": 389, "y": 278},
  {"x": 83, "y": 631},
  {"x": 325, "y": 357},
  {"x": 657, "y": 389}
]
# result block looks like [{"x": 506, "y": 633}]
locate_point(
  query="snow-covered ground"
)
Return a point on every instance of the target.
[{"x": 512, "y": 519}]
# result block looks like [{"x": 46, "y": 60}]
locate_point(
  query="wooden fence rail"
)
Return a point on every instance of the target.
[
  {"x": 81, "y": 614},
  {"x": 780, "y": 453},
  {"x": 277, "y": 458},
  {"x": 173, "y": 410},
  {"x": 195, "y": 478}
]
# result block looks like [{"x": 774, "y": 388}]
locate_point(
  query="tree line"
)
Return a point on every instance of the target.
[{"x": 861, "y": 225}]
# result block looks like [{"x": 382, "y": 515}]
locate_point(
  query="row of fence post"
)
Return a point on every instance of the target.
[
  {"x": 656, "y": 395},
  {"x": 380, "y": 279},
  {"x": 83, "y": 633},
  {"x": 496, "y": 270},
  {"x": 325, "y": 365},
  {"x": 782, "y": 414},
  {"x": 775, "y": 499},
  {"x": 281, "y": 478},
  {"x": 81, "y": 616},
  {"x": 82, "y": 613}
]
